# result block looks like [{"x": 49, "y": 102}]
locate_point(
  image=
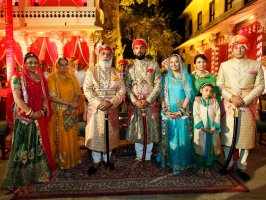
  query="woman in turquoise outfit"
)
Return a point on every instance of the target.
[{"x": 175, "y": 148}]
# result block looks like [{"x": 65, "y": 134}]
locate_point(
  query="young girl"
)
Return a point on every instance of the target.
[{"x": 206, "y": 116}]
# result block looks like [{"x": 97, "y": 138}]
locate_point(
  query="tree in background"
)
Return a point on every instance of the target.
[
  {"x": 132, "y": 19},
  {"x": 111, "y": 27}
]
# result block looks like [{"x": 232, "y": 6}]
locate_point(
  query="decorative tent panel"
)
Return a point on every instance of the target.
[
  {"x": 45, "y": 49},
  {"x": 17, "y": 52},
  {"x": 62, "y": 2},
  {"x": 77, "y": 49},
  {"x": 256, "y": 37},
  {"x": 208, "y": 54}
]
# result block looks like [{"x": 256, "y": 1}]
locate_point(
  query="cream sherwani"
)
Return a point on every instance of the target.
[
  {"x": 200, "y": 115},
  {"x": 242, "y": 77},
  {"x": 103, "y": 84}
]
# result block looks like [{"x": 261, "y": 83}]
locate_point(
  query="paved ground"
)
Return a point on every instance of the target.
[{"x": 257, "y": 184}]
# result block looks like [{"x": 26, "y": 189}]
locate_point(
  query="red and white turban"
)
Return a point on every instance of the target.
[
  {"x": 123, "y": 61},
  {"x": 106, "y": 48},
  {"x": 141, "y": 42},
  {"x": 240, "y": 39}
]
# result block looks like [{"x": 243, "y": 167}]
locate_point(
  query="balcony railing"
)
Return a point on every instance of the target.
[{"x": 52, "y": 16}]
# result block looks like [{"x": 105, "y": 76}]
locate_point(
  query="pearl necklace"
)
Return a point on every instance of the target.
[
  {"x": 135, "y": 77},
  {"x": 99, "y": 81}
]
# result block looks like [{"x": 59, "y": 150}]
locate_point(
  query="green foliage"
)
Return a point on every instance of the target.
[
  {"x": 132, "y": 19},
  {"x": 150, "y": 23}
]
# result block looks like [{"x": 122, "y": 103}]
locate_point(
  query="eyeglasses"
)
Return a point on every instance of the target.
[{"x": 32, "y": 63}]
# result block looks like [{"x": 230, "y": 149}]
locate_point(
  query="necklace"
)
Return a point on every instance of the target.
[
  {"x": 34, "y": 77},
  {"x": 202, "y": 75},
  {"x": 143, "y": 82},
  {"x": 99, "y": 81}
]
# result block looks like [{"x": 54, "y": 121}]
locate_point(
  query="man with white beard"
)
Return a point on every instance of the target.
[{"x": 104, "y": 89}]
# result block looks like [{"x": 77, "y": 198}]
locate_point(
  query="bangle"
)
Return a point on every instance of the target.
[
  {"x": 165, "y": 110},
  {"x": 28, "y": 111},
  {"x": 31, "y": 114}
]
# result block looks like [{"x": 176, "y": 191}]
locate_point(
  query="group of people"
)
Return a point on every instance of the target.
[{"x": 159, "y": 110}]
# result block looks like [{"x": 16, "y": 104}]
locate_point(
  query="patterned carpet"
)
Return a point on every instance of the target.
[{"x": 124, "y": 181}]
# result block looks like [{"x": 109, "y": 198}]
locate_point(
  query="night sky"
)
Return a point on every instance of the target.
[{"x": 176, "y": 7}]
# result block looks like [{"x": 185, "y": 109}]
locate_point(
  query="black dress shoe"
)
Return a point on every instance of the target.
[
  {"x": 225, "y": 171},
  {"x": 111, "y": 166},
  {"x": 92, "y": 170},
  {"x": 244, "y": 175}
]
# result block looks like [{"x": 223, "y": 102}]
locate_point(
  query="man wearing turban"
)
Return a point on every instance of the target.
[
  {"x": 123, "y": 64},
  {"x": 143, "y": 85},
  {"x": 241, "y": 82},
  {"x": 79, "y": 72},
  {"x": 104, "y": 89}
]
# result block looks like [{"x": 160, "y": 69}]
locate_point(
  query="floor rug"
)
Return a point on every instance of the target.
[{"x": 125, "y": 181}]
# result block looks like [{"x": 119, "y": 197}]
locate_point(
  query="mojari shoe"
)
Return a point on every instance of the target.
[
  {"x": 176, "y": 172},
  {"x": 207, "y": 173},
  {"x": 148, "y": 164},
  {"x": 111, "y": 166},
  {"x": 93, "y": 168},
  {"x": 200, "y": 172},
  {"x": 134, "y": 163},
  {"x": 244, "y": 175},
  {"x": 226, "y": 171}
]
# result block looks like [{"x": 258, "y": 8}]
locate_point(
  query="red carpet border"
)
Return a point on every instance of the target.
[{"x": 125, "y": 181}]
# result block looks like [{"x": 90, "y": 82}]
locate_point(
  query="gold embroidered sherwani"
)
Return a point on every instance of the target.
[
  {"x": 99, "y": 85},
  {"x": 242, "y": 77},
  {"x": 143, "y": 81}
]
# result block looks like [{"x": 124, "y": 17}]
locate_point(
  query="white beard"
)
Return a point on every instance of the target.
[{"x": 105, "y": 64}]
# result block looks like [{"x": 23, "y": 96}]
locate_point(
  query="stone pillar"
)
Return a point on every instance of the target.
[{"x": 90, "y": 3}]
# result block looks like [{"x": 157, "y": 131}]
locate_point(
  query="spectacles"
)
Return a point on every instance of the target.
[{"x": 32, "y": 63}]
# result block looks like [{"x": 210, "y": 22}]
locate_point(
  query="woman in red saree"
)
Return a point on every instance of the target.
[{"x": 29, "y": 108}]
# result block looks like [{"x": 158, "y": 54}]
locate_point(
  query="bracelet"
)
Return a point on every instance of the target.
[
  {"x": 31, "y": 114},
  {"x": 29, "y": 111},
  {"x": 165, "y": 110}
]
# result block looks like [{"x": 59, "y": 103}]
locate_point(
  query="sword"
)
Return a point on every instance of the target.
[
  {"x": 232, "y": 148},
  {"x": 143, "y": 114},
  {"x": 106, "y": 130}
]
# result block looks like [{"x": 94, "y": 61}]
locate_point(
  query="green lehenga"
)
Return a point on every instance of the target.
[{"x": 27, "y": 163}]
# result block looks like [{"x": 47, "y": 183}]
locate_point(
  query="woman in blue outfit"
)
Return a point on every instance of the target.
[{"x": 175, "y": 147}]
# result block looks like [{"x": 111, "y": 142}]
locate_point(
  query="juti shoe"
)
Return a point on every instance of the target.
[
  {"x": 207, "y": 173},
  {"x": 148, "y": 164},
  {"x": 93, "y": 168},
  {"x": 134, "y": 163},
  {"x": 111, "y": 166},
  {"x": 226, "y": 171},
  {"x": 244, "y": 175},
  {"x": 201, "y": 172}
]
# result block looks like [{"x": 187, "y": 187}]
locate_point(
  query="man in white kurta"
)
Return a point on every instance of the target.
[
  {"x": 241, "y": 82},
  {"x": 104, "y": 89},
  {"x": 80, "y": 74}
]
